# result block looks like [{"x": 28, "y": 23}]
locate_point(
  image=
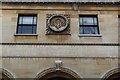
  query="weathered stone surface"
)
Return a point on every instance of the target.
[
  {"x": 86, "y": 68},
  {"x": 60, "y": 51},
  {"x": 104, "y": 15},
  {"x": 26, "y": 61}
]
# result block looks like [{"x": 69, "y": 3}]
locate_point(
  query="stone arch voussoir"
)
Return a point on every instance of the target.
[
  {"x": 53, "y": 69},
  {"x": 110, "y": 73},
  {"x": 6, "y": 73}
]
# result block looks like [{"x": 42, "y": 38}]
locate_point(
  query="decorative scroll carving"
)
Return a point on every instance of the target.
[{"x": 58, "y": 24}]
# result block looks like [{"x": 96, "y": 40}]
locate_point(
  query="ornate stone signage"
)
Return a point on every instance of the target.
[{"x": 58, "y": 24}]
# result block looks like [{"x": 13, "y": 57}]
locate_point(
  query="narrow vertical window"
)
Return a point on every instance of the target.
[
  {"x": 27, "y": 24},
  {"x": 89, "y": 24}
]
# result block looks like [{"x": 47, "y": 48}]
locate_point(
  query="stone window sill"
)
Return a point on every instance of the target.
[
  {"x": 26, "y": 35},
  {"x": 90, "y": 35}
]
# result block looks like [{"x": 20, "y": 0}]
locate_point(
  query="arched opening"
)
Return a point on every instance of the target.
[
  {"x": 52, "y": 74},
  {"x": 57, "y": 75},
  {"x": 112, "y": 75},
  {"x": 5, "y": 75},
  {"x": 115, "y": 76}
]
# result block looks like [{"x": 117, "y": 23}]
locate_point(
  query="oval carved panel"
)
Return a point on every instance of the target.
[{"x": 58, "y": 24}]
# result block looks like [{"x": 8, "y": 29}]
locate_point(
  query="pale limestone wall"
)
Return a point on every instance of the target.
[
  {"x": 108, "y": 24},
  {"x": 84, "y": 67},
  {"x": 59, "y": 51}
]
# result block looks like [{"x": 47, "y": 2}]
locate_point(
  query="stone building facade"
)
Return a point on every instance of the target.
[{"x": 64, "y": 40}]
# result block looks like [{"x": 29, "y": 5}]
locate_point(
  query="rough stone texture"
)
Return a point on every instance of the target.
[
  {"x": 60, "y": 51},
  {"x": 106, "y": 29},
  {"x": 86, "y": 68}
]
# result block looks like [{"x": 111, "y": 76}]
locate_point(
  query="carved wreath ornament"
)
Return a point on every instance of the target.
[{"x": 58, "y": 23}]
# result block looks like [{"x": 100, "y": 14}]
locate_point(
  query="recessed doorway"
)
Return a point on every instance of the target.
[
  {"x": 58, "y": 75},
  {"x": 115, "y": 76}
]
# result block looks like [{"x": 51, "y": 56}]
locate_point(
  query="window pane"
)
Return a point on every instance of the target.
[
  {"x": 96, "y": 30},
  {"x": 81, "y": 23},
  {"x": 81, "y": 30},
  {"x": 34, "y": 30},
  {"x": 89, "y": 25},
  {"x": 20, "y": 20},
  {"x": 26, "y": 29},
  {"x": 19, "y": 29},
  {"x": 26, "y": 24},
  {"x": 119, "y": 20},
  {"x": 27, "y": 20},
  {"x": 95, "y": 21},
  {"x": 88, "y": 21},
  {"x": 88, "y": 30},
  {"x": 35, "y": 20}
]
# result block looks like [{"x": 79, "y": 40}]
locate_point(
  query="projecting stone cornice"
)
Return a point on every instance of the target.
[
  {"x": 111, "y": 57},
  {"x": 69, "y": 44},
  {"x": 60, "y": 1}
]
